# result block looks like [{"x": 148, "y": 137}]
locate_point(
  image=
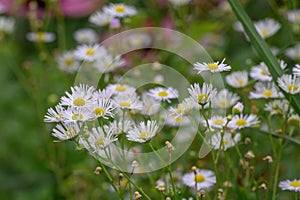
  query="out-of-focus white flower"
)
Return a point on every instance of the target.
[
  {"x": 150, "y": 105},
  {"x": 212, "y": 67},
  {"x": 7, "y": 25},
  {"x": 100, "y": 18},
  {"x": 119, "y": 10},
  {"x": 120, "y": 89},
  {"x": 228, "y": 140},
  {"x": 267, "y": 27},
  {"x": 203, "y": 178},
  {"x": 260, "y": 72},
  {"x": 293, "y": 16},
  {"x": 128, "y": 101},
  {"x": 41, "y": 37},
  {"x": 296, "y": 70},
  {"x": 265, "y": 90},
  {"x": 291, "y": 185},
  {"x": 67, "y": 62},
  {"x": 85, "y": 36},
  {"x": 178, "y": 3},
  {"x": 278, "y": 107},
  {"x": 289, "y": 83},
  {"x": 202, "y": 95},
  {"x": 216, "y": 122},
  {"x": 108, "y": 63},
  {"x": 138, "y": 40},
  {"x": 143, "y": 132},
  {"x": 224, "y": 99},
  {"x": 66, "y": 131},
  {"x": 237, "y": 79},
  {"x": 242, "y": 121},
  {"x": 54, "y": 115},
  {"x": 89, "y": 53},
  {"x": 163, "y": 94},
  {"x": 119, "y": 126},
  {"x": 293, "y": 52}
]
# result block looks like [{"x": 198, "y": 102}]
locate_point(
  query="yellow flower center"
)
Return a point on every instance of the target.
[
  {"x": 199, "y": 178},
  {"x": 124, "y": 104},
  {"x": 120, "y": 88},
  {"x": 295, "y": 183},
  {"x": 79, "y": 101},
  {"x": 99, "y": 111},
  {"x": 144, "y": 135},
  {"x": 69, "y": 62},
  {"x": 202, "y": 98},
  {"x": 218, "y": 122},
  {"x": 212, "y": 66},
  {"x": 225, "y": 142},
  {"x": 178, "y": 119},
  {"x": 241, "y": 82},
  {"x": 40, "y": 36},
  {"x": 224, "y": 103},
  {"x": 70, "y": 131},
  {"x": 77, "y": 117},
  {"x": 90, "y": 51},
  {"x": 119, "y": 8},
  {"x": 267, "y": 93},
  {"x": 292, "y": 87},
  {"x": 163, "y": 93},
  {"x": 100, "y": 141},
  {"x": 263, "y": 72},
  {"x": 264, "y": 33},
  {"x": 241, "y": 122}
]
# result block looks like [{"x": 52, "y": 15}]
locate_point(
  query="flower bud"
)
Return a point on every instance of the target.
[{"x": 238, "y": 108}]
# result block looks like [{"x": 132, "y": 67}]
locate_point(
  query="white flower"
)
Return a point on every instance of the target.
[
  {"x": 282, "y": 64},
  {"x": 54, "y": 115},
  {"x": 85, "y": 36},
  {"x": 66, "y": 131},
  {"x": 277, "y": 107},
  {"x": 102, "y": 108},
  {"x": 289, "y": 83},
  {"x": 216, "y": 122},
  {"x": 242, "y": 121},
  {"x": 265, "y": 90},
  {"x": 202, "y": 95},
  {"x": 150, "y": 105},
  {"x": 128, "y": 101},
  {"x": 103, "y": 94},
  {"x": 260, "y": 72},
  {"x": 120, "y": 89},
  {"x": 177, "y": 115},
  {"x": 119, "y": 10},
  {"x": 41, "y": 37},
  {"x": 224, "y": 99},
  {"x": 292, "y": 185},
  {"x": 267, "y": 27},
  {"x": 178, "y": 3},
  {"x": 67, "y": 62},
  {"x": 100, "y": 18},
  {"x": 212, "y": 67},
  {"x": 117, "y": 125},
  {"x": 163, "y": 94},
  {"x": 108, "y": 63},
  {"x": 203, "y": 178},
  {"x": 293, "y": 52},
  {"x": 80, "y": 96},
  {"x": 296, "y": 70},
  {"x": 77, "y": 115},
  {"x": 293, "y": 16},
  {"x": 237, "y": 79},
  {"x": 228, "y": 140},
  {"x": 137, "y": 40},
  {"x": 89, "y": 53},
  {"x": 143, "y": 132},
  {"x": 7, "y": 25}
]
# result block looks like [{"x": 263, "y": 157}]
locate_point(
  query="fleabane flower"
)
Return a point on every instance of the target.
[
  {"x": 296, "y": 70},
  {"x": 85, "y": 36},
  {"x": 163, "y": 94},
  {"x": 143, "y": 132},
  {"x": 128, "y": 101},
  {"x": 54, "y": 115},
  {"x": 120, "y": 89},
  {"x": 202, "y": 95},
  {"x": 228, "y": 140},
  {"x": 150, "y": 105},
  {"x": 267, "y": 27},
  {"x": 178, "y": 3},
  {"x": 119, "y": 10},
  {"x": 224, "y": 99},
  {"x": 72, "y": 115},
  {"x": 265, "y": 90},
  {"x": 291, "y": 185},
  {"x": 102, "y": 108},
  {"x": 7, "y": 25},
  {"x": 293, "y": 52},
  {"x": 293, "y": 16},
  {"x": 66, "y": 131},
  {"x": 260, "y": 72},
  {"x": 67, "y": 62},
  {"x": 100, "y": 18},
  {"x": 289, "y": 83},
  {"x": 212, "y": 67},
  {"x": 237, "y": 79},
  {"x": 108, "y": 63},
  {"x": 89, "y": 53},
  {"x": 40, "y": 37},
  {"x": 80, "y": 96},
  {"x": 277, "y": 107},
  {"x": 120, "y": 126},
  {"x": 243, "y": 121},
  {"x": 204, "y": 179},
  {"x": 216, "y": 122}
]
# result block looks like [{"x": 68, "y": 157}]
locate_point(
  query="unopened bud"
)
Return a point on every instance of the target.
[
  {"x": 98, "y": 170},
  {"x": 294, "y": 120},
  {"x": 134, "y": 164},
  {"x": 168, "y": 198},
  {"x": 269, "y": 159},
  {"x": 249, "y": 155},
  {"x": 247, "y": 140},
  {"x": 202, "y": 193},
  {"x": 169, "y": 146},
  {"x": 161, "y": 187},
  {"x": 121, "y": 176},
  {"x": 263, "y": 186},
  {"x": 194, "y": 169},
  {"x": 137, "y": 195},
  {"x": 238, "y": 108}
]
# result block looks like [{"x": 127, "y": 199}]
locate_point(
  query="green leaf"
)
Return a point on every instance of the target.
[{"x": 262, "y": 49}]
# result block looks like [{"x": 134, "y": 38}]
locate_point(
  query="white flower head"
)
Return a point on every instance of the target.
[
  {"x": 102, "y": 108},
  {"x": 72, "y": 115},
  {"x": 54, "y": 115},
  {"x": 228, "y": 140},
  {"x": 40, "y": 37},
  {"x": 143, "y": 132},
  {"x": 260, "y": 72},
  {"x": 224, "y": 99},
  {"x": 293, "y": 52},
  {"x": 293, "y": 16},
  {"x": 100, "y": 18},
  {"x": 177, "y": 3},
  {"x": 204, "y": 179},
  {"x": 66, "y": 131},
  {"x": 163, "y": 94},
  {"x": 212, "y": 67},
  {"x": 103, "y": 94},
  {"x": 277, "y": 107},
  {"x": 119, "y": 10},
  {"x": 289, "y": 83},
  {"x": 202, "y": 95},
  {"x": 150, "y": 105},
  {"x": 237, "y": 79},
  {"x": 265, "y": 90},
  {"x": 243, "y": 121},
  {"x": 296, "y": 70},
  {"x": 85, "y": 36},
  {"x": 108, "y": 63},
  {"x": 216, "y": 122},
  {"x": 89, "y": 53},
  {"x": 67, "y": 62},
  {"x": 119, "y": 126},
  {"x": 7, "y": 25},
  {"x": 267, "y": 27},
  {"x": 128, "y": 101},
  {"x": 291, "y": 185}
]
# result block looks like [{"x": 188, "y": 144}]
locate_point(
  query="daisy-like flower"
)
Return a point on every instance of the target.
[
  {"x": 224, "y": 99},
  {"x": 277, "y": 107},
  {"x": 119, "y": 10},
  {"x": 178, "y": 3},
  {"x": 293, "y": 52},
  {"x": 108, "y": 63},
  {"x": 260, "y": 72},
  {"x": 291, "y": 185},
  {"x": 67, "y": 62},
  {"x": 117, "y": 125},
  {"x": 85, "y": 36},
  {"x": 54, "y": 115},
  {"x": 138, "y": 40},
  {"x": 100, "y": 18},
  {"x": 80, "y": 96},
  {"x": 177, "y": 115},
  {"x": 282, "y": 64},
  {"x": 163, "y": 94},
  {"x": 66, "y": 131},
  {"x": 237, "y": 79},
  {"x": 203, "y": 178},
  {"x": 150, "y": 105},
  {"x": 143, "y": 132},
  {"x": 296, "y": 70},
  {"x": 128, "y": 101},
  {"x": 243, "y": 121},
  {"x": 202, "y": 95},
  {"x": 102, "y": 108},
  {"x": 212, "y": 67},
  {"x": 293, "y": 16},
  {"x": 77, "y": 115},
  {"x": 267, "y": 27},
  {"x": 265, "y": 90},
  {"x": 89, "y": 53},
  {"x": 41, "y": 37},
  {"x": 120, "y": 89},
  {"x": 228, "y": 140},
  {"x": 216, "y": 122},
  {"x": 103, "y": 94},
  {"x": 7, "y": 25},
  {"x": 289, "y": 83}
]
